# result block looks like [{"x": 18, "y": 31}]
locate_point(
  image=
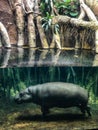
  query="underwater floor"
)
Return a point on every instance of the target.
[{"x": 29, "y": 117}]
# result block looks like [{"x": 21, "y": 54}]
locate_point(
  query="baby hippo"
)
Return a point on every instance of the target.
[{"x": 55, "y": 94}]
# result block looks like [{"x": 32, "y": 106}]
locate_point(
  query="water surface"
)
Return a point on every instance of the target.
[{"x": 19, "y": 57}]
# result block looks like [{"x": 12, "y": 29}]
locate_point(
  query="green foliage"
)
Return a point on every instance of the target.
[
  {"x": 65, "y": 7},
  {"x": 21, "y": 86},
  {"x": 46, "y": 21},
  {"x": 46, "y": 7},
  {"x": 68, "y": 7}
]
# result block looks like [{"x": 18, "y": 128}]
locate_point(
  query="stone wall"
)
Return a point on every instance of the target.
[{"x": 6, "y": 17}]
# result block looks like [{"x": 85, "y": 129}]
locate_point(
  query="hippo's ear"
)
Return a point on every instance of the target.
[{"x": 29, "y": 90}]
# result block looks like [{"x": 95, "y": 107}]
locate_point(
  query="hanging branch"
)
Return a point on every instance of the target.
[
  {"x": 78, "y": 22},
  {"x": 88, "y": 11},
  {"x": 20, "y": 22},
  {"x": 5, "y": 36},
  {"x": 38, "y": 18},
  {"x": 82, "y": 13},
  {"x": 29, "y": 5},
  {"x": 92, "y": 18},
  {"x": 43, "y": 38},
  {"x": 56, "y": 38}
]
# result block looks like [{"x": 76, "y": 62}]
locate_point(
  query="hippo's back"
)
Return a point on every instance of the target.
[
  {"x": 57, "y": 88},
  {"x": 59, "y": 94}
]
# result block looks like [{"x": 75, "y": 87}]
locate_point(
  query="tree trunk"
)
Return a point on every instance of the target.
[
  {"x": 93, "y": 18},
  {"x": 56, "y": 38},
  {"x": 30, "y": 21},
  {"x": 5, "y": 36},
  {"x": 38, "y": 18},
  {"x": 88, "y": 11},
  {"x": 19, "y": 22},
  {"x": 42, "y": 35}
]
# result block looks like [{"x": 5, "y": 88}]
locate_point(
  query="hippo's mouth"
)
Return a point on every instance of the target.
[{"x": 18, "y": 101}]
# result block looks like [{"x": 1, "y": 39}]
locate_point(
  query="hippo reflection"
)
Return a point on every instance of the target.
[{"x": 55, "y": 94}]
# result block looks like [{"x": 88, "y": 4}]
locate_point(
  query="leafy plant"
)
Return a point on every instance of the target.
[
  {"x": 46, "y": 6},
  {"x": 68, "y": 7},
  {"x": 46, "y": 21}
]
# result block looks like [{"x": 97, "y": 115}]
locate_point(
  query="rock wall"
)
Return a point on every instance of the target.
[{"x": 6, "y": 17}]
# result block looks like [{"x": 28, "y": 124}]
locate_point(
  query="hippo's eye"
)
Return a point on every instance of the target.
[{"x": 21, "y": 94}]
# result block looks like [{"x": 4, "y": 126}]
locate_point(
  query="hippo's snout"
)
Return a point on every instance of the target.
[
  {"x": 23, "y": 97},
  {"x": 17, "y": 100}
]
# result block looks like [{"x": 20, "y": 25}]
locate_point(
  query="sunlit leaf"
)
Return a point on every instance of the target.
[
  {"x": 67, "y": 1},
  {"x": 74, "y": 13}
]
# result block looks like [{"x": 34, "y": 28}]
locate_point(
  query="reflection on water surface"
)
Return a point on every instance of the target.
[{"x": 19, "y": 57}]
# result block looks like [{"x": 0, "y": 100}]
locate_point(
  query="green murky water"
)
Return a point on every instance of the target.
[{"x": 29, "y": 116}]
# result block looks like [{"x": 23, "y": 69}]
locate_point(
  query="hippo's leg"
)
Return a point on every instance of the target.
[
  {"x": 82, "y": 110},
  {"x": 88, "y": 110},
  {"x": 44, "y": 110},
  {"x": 85, "y": 109}
]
